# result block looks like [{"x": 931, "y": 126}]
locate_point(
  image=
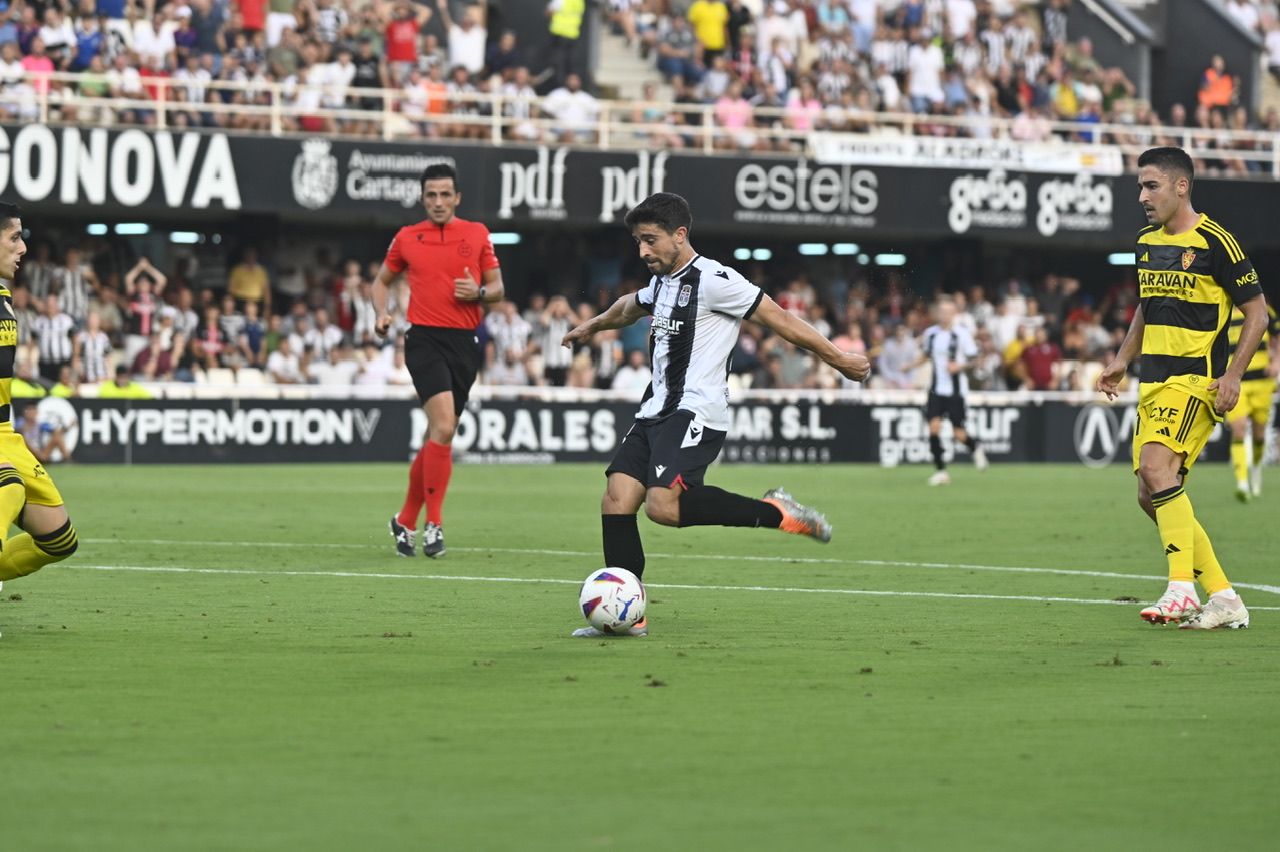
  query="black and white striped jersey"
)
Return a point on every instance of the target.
[
  {"x": 942, "y": 346},
  {"x": 696, "y": 314}
]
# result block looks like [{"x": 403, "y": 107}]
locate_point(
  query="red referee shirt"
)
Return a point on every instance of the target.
[{"x": 435, "y": 255}]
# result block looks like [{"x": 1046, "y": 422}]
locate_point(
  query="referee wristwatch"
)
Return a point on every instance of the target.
[{"x": 480, "y": 298}]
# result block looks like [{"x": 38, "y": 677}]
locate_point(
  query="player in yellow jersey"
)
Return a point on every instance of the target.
[
  {"x": 1257, "y": 387},
  {"x": 28, "y": 497},
  {"x": 1191, "y": 271}
]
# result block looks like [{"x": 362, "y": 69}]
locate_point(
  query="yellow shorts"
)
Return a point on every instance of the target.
[
  {"x": 40, "y": 487},
  {"x": 1255, "y": 401},
  {"x": 1169, "y": 415}
]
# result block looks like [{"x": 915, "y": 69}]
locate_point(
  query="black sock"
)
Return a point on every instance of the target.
[
  {"x": 970, "y": 442},
  {"x": 708, "y": 506},
  {"x": 935, "y": 447},
  {"x": 622, "y": 547}
]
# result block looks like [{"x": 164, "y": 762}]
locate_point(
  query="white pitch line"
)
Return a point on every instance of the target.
[
  {"x": 461, "y": 578},
  {"x": 716, "y": 557}
]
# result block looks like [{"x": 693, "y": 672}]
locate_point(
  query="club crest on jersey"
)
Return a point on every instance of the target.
[
  {"x": 464, "y": 249},
  {"x": 685, "y": 293},
  {"x": 1188, "y": 258}
]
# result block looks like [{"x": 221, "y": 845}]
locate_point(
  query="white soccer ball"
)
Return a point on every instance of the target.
[{"x": 612, "y": 600}]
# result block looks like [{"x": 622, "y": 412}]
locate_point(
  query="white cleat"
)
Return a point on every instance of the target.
[
  {"x": 1255, "y": 480},
  {"x": 640, "y": 628},
  {"x": 1173, "y": 606},
  {"x": 433, "y": 541},
  {"x": 1243, "y": 494},
  {"x": 1218, "y": 612},
  {"x": 940, "y": 478},
  {"x": 980, "y": 458}
]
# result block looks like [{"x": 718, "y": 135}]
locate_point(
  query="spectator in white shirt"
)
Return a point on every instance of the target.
[
  {"x": 283, "y": 365},
  {"x": 59, "y": 38},
  {"x": 924, "y": 68},
  {"x": 323, "y": 337},
  {"x": 633, "y": 376},
  {"x": 154, "y": 39},
  {"x": 466, "y": 38},
  {"x": 573, "y": 109},
  {"x": 960, "y": 18}
]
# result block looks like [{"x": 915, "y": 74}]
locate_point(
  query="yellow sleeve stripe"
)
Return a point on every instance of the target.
[{"x": 1229, "y": 242}]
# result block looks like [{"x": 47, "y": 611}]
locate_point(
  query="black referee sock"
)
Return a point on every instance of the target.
[
  {"x": 935, "y": 447},
  {"x": 971, "y": 442},
  {"x": 622, "y": 547},
  {"x": 708, "y": 506}
]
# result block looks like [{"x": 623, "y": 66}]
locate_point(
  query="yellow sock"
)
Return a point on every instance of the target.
[
  {"x": 1240, "y": 460},
  {"x": 25, "y": 554},
  {"x": 1259, "y": 453},
  {"x": 1207, "y": 569},
  {"x": 1177, "y": 523},
  {"x": 13, "y": 496}
]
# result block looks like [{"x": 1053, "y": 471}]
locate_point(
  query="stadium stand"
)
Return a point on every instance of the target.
[{"x": 784, "y": 69}]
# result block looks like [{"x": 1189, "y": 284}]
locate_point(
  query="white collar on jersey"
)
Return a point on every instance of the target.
[{"x": 673, "y": 276}]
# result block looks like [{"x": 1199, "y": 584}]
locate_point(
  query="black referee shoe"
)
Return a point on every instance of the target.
[
  {"x": 433, "y": 540},
  {"x": 403, "y": 536}
]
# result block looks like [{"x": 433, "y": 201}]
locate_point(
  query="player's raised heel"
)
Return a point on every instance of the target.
[
  {"x": 433, "y": 541},
  {"x": 798, "y": 518},
  {"x": 1173, "y": 607},
  {"x": 403, "y": 536}
]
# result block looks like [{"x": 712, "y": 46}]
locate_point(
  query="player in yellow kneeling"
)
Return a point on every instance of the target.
[{"x": 28, "y": 497}]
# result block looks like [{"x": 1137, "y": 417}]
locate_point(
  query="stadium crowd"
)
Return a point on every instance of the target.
[
  {"x": 310, "y": 321},
  {"x": 820, "y": 64}
]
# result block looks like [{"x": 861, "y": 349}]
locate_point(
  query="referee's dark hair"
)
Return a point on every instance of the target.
[
  {"x": 440, "y": 171},
  {"x": 9, "y": 210},
  {"x": 668, "y": 211},
  {"x": 1170, "y": 161}
]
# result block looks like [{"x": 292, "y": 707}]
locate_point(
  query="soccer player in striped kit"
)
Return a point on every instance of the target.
[{"x": 698, "y": 306}]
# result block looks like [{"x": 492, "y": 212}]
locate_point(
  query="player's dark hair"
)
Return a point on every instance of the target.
[
  {"x": 9, "y": 210},
  {"x": 668, "y": 211},
  {"x": 440, "y": 171},
  {"x": 1170, "y": 161}
]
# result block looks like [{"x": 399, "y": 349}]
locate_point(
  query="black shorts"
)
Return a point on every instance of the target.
[
  {"x": 950, "y": 407},
  {"x": 673, "y": 451},
  {"x": 442, "y": 359}
]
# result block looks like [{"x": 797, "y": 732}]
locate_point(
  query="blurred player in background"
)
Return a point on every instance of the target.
[
  {"x": 952, "y": 351},
  {"x": 698, "y": 306},
  {"x": 1191, "y": 271},
  {"x": 1257, "y": 387},
  {"x": 452, "y": 271},
  {"x": 28, "y": 497}
]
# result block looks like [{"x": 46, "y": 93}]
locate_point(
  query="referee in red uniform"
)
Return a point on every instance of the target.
[{"x": 452, "y": 270}]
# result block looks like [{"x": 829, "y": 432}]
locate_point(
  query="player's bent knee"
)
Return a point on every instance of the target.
[
  {"x": 59, "y": 544},
  {"x": 662, "y": 510}
]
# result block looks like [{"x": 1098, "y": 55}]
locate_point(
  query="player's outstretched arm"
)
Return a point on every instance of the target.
[
  {"x": 795, "y": 330},
  {"x": 623, "y": 312},
  {"x": 381, "y": 287},
  {"x": 1113, "y": 374},
  {"x": 1255, "y": 325}
]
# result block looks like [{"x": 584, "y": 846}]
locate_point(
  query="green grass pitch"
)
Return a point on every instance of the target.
[{"x": 235, "y": 660}]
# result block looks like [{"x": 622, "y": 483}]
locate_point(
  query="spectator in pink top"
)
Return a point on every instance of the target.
[
  {"x": 38, "y": 65},
  {"x": 735, "y": 114},
  {"x": 803, "y": 107}
]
